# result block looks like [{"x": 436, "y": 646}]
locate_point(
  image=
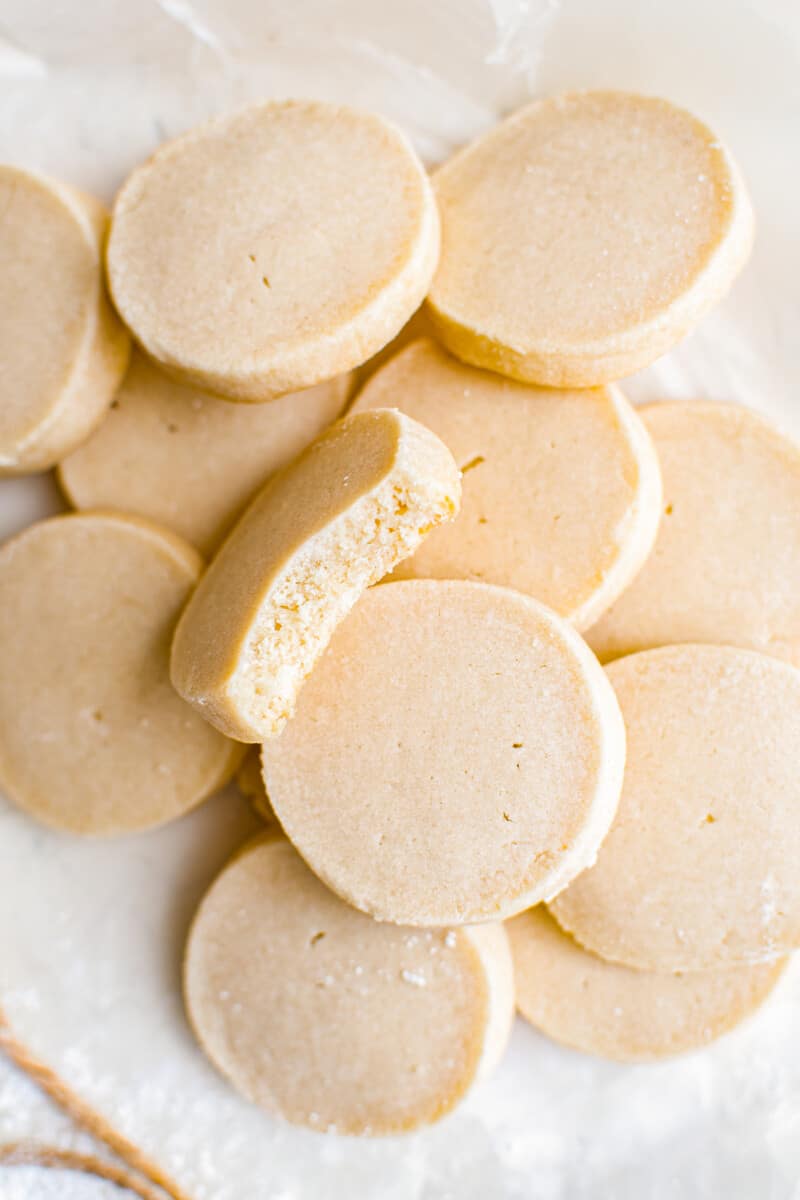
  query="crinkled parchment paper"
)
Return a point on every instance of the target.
[{"x": 89, "y": 87}]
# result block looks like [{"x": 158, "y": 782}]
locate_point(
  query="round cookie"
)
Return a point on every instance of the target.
[
  {"x": 610, "y": 1010},
  {"x": 456, "y": 756},
  {"x": 188, "y": 459},
  {"x": 337, "y": 519},
  {"x": 561, "y": 495},
  {"x": 320, "y": 236},
  {"x": 584, "y": 236},
  {"x": 93, "y": 739},
  {"x": 62, "y": 347},
  {"x": 699, "y": 869},
  {"x": 726, "y": 564},
  {"x": 416, "y": 328},
  {"x": 332, "y": 1020}
]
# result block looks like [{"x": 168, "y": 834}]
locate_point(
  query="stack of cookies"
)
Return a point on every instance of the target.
[{"x": 520, "y": 663}]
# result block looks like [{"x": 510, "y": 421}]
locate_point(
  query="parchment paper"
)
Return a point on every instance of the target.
[{"x": 89, "y": 87}]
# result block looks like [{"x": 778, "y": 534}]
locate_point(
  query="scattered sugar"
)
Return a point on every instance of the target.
[
  {"x": 417, "y": 978},
  {"x": 769, "y": 907}
]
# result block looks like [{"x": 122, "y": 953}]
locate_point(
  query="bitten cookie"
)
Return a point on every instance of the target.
[
  {"x": 633, "y": 1016},
  {"x": 700, "y": 867},
  {"x": 456, "y": 755},
  {"x": 360, "y": 499},
  {"x": 187, "y": 459},
  {"x": 332, "y": 1020},
  {"x": 584, "y": 236},
  {"x": 93, "y": 739},
  {"x": 726, "y": 564},
  {"x": 62, "y": 347},
  {"x": 561, "y": 491},
  {"x": 319, "y": 235}
]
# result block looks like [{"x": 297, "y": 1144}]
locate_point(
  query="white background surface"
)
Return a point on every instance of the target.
[
  {"x": 90, "y": 86},
  {"x": 44, "y": 1183}
]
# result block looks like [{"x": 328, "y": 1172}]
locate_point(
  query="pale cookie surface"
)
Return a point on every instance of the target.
[
  {"x": 93, "y": 739},
  {"x": 188, "y": 459},
  {"x": 62, "y": 347},
  {"x": 456, "y": 755},
  {"x": 320, "y": 236},
  {"x": 584, "y": 236},
  {"x": 561, "y": 491},
  {"x": 332, "y": 1020},
  {"x": 726, "y": 564},
  {"x": 700, "y": 867},
  {"x": 418, "y": 327},
  {"x": 337, "y": 519},
  {"x": 610, "y": 1010}
]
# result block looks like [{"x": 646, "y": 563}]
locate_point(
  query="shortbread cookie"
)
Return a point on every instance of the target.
[
  {"x": 726, "y": 565},
  {"x": 456, "y": 755},
  {"x": 700, "y": 867},
  {"x": 319, "y": 235},
  {"x": 418, "y": 327},
  {"x": 188, "y": 459},
  {"x": 62, "y": 346},
  {"x": 607, "y": 1009},
  {"x": 93, "y": 739},
  {"x": 358, "y": 501},
  {"x": 250, "y": 782},
  {"x": 561, "y": 490},
  {"x": 584, "y": 236},
  {"x": 332, "y": 1020}
]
